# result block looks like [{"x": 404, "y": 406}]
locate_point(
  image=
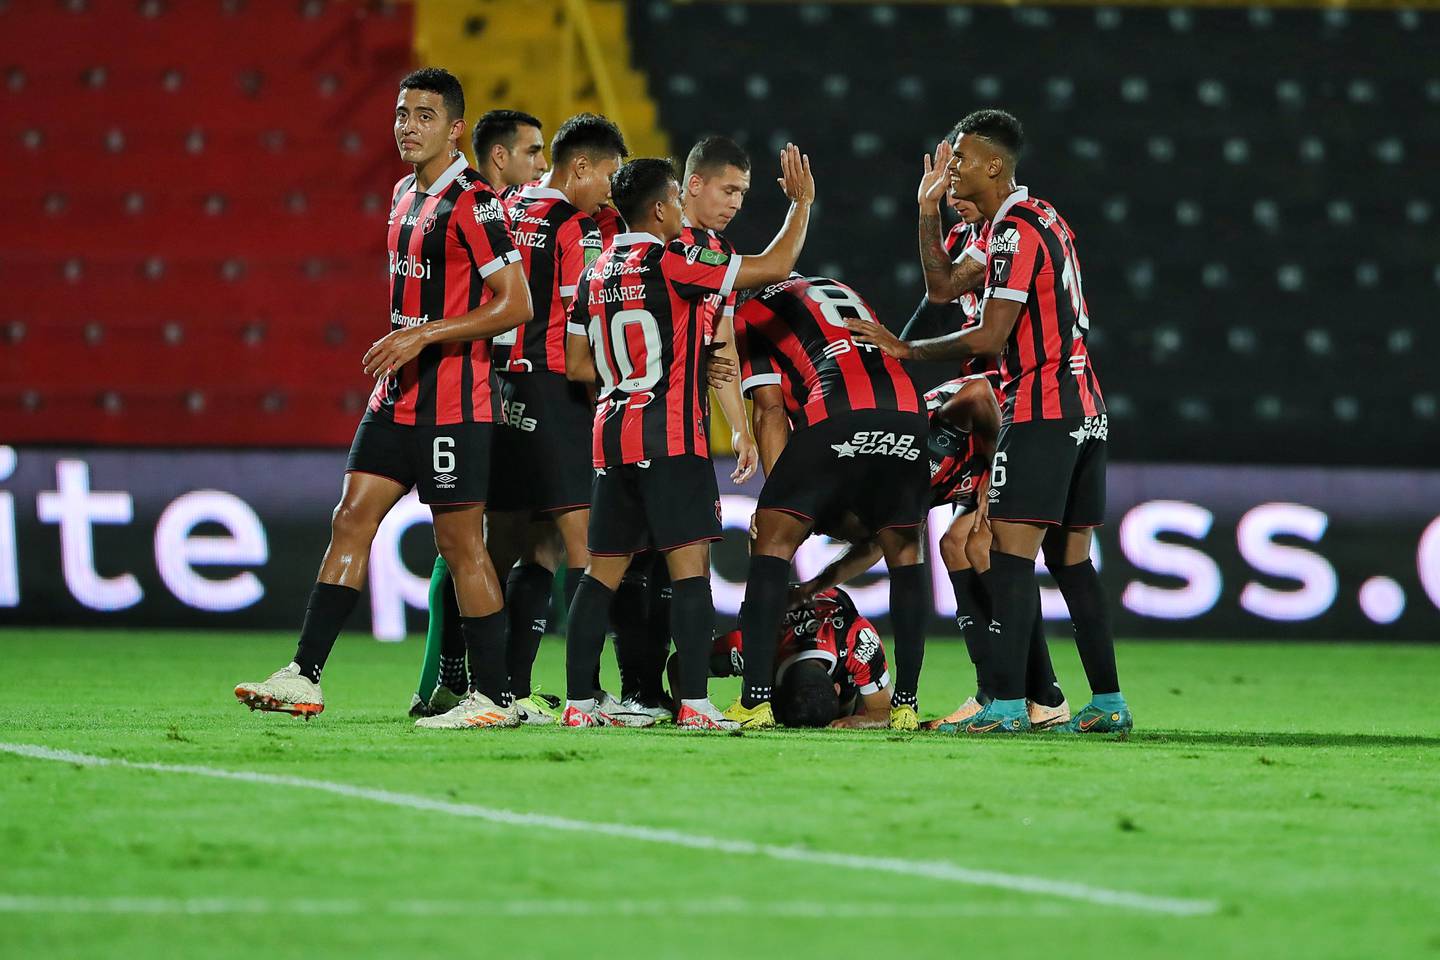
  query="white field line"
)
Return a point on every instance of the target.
[
  {"x": 927, "y": 869},
  {"x": 798, "y": 909}
]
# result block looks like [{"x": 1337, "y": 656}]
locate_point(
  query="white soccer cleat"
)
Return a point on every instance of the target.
[
  {"x": 704, "y": 717},
  {"x": 284, "y": 691},
  {"x": 578, "y": 717},
  {"x": 443, "y": 700},
  {"x": 475, "y": 712},
  {"x": 659, "y": 714},
  {"x": 627, "y": 714}
]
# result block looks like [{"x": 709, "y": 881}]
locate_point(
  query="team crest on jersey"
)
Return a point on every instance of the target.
[{"x": 429, "y": 224}]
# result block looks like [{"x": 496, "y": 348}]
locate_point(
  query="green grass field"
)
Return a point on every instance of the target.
[{"x": 1295, "y": 786}]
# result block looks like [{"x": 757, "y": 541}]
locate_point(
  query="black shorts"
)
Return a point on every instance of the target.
[
  {"x": 541, "y": 462},
  {"x": 449, "y": 464},
  {"x": 1051, "y": 472},
  {"x": 871, "y": 463},
  {"x": 669, "y": 503}
]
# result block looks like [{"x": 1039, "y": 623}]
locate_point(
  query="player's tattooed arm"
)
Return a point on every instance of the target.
[
  {"x": 944, "y": 281},
  {"x": 506, "y": 310},
  {"x": 772, "y": 426},
  {"x": 985, "y": 340}
]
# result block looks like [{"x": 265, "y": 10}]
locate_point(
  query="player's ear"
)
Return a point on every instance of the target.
[
  {"x": 693, "y": 185},
  {"x": 457, "y": 132}
]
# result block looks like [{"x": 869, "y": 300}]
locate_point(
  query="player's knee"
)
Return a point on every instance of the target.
[
  {"x": 952, "y": 548},
  {"x": 349, "y": 522}
]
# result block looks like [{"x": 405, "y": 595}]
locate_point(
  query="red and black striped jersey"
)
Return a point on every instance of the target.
[
  {"x": 793, "y": 335},
  {"x": 1045, "y": 367},
  {"x": 715, "y": 306},
  {"x": 443, "y": 243},
  {"x": 956, "y": 464},
  {"x": 829, "y": 629},
  {"x": 556, "y": 243},
  {"x": 611, "y": 224},
  {"x": 641, "y": 306}
]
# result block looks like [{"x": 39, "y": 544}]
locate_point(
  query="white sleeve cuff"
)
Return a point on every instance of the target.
[
  {"x": 870, "y": 688},
  {"x": 498, "y": 263},
  {"x": 576, "y": 329},
  {"x": 759, "y": 380},
  {"x": 731, "y": 273},
  {"x": 1005, "y": 293},
  {"x": 975, "y": 253},
  {"x": 568, "y": 291}
]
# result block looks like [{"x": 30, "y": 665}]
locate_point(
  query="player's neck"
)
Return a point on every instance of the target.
[
  {"x": 693, "y": 219},
  {"x": 494, "y": 177},
  {"x": 654, "y": 227},
  {"x": 428, "y": 172},
  {"x": 565, "y": 183},
  {"x": 990, "y": 204}
]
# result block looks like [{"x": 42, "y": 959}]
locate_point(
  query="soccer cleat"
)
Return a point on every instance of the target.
[
  {"x": 443, "y": 700},
  {"x": 1092, "y": 719},
  {"x": 904, "y": 717},
  {"x": 634, "y": 705},
  {"x": 538, "y": 709},
  {"x": 759, "y": 717},
  {"x": 989, "y": 720},
  {"x": 284, "y": 691},
  {"x": 475, "y": 712},
  {"x": 625, "y": 714},
  {"x": 704, "y": 718},
  {"x": 962, "y": 713},
  {"x": 1045, "y": 718},
  {"x": 576, "y": 717}
]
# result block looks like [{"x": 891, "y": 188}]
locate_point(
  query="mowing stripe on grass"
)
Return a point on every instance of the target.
[
  {"x": 929, "y": 869},
  {"x": 798, "y": 909}
]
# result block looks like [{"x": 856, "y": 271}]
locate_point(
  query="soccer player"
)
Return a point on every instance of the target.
[
  {"x": 637, "y": 327},
  {"x": 509, "y": 153},
  {"x": 717, "y": 178},
  {"x": 829, "y": 667},
  {"x": 1048, "y": 479},
  {"x": 857, "y": 447},
  {"x": 455, "y": 282},
  {"x": 964, "y": 424},
  {"x": 542, "y": 466}
]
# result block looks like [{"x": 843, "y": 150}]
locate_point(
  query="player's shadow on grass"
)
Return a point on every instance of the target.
[{"x": 1261, "y": 739}]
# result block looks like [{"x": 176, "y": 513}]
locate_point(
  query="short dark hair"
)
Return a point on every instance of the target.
[
  {"x": 713, "y": 154},
  {"x": 589, "y": 135},
  {"x": 998, "y": 127},
  {"x": 441, "y": 81},
  {"x": 806, "y": 697},
  {"x": 638, "y": 183},
  {"x": 499, "y": 126}
]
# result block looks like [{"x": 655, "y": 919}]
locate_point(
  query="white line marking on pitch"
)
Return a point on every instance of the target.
[
  {"x": 800, "y": 909},
  {"x": 929, "y": 869}
]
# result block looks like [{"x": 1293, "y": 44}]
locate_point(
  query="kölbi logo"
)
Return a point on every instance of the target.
[{"x": 410, "y": 266}]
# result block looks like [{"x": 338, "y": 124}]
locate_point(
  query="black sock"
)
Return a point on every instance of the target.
[
  {"x": 766, "y": 592},
  {"x": 585, "y": 636},
  {"x": 527, "y": 613},
  {"x": 1040, "y": 683},
  {"x": 452, "y": 641},
  {"x": 329, "y": 607},
  {"x": 573, "y": 576},
  {"x": 692, "y": 623},
  {"x": 485, "y": 649},
  {"x": 1010, "y": 581},
  {"x": 630, "y": 616},
  {"x": 972, "y": 616},
  {"x": 909, "y": 608},
  {"x": 1090, "y": 615},
  {"x": 657, "y": 646}
]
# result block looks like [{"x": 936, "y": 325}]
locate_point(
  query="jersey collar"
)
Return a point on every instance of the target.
[
  {"x": 536, "y": 192},
  {"x": 630, "y": 239},
  {"x": 1020, "y": 195},
  {"x": 443, "y": 181}
]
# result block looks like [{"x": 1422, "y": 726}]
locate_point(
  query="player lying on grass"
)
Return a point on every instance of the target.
[
  {"x": 829, "y": 667},
  {"x": 964, "y": 422}
]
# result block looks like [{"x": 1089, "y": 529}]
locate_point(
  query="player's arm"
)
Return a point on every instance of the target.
[
  {"x": 973, "y": 409},
  {"x": 732, "y": 404},
  {"x": 780, "y": 257},
  {"x": 874, "y": 712},
  {"x": 997, "y": 319},
  {"x": 855, "y": 560},
  {"x": 772, "y": 424},
  {"x": 507, "y": 309}
]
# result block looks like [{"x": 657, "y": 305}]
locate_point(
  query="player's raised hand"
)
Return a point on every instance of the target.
[
  {"x": 936, "y": 180},
  {"x": 795, "y": 177},
  {"x": 719, "y": 369},
  {"x": 747, "y": 456},
  {"x": 872, "y": 333},
  {"x": 392, "y": 351}
]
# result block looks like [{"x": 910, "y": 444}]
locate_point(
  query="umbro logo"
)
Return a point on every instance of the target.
[{"x": 445, "y": 481}]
